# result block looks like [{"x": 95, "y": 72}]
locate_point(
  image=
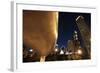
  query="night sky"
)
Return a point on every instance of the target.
[{"x": 67, "y": 26}]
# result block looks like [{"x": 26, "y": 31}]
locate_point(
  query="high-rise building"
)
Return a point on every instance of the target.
[
  {"x": 74, "y": 47},
  {"x": 70, "y": 46},
  {"x": 85, "y": 34},
  {"x": 76, "y": 41}
]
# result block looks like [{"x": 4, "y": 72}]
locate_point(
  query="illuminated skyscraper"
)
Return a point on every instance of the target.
[
  {"x": 85, "y": 34},
  {"x": 76, "y": 41},
  {"x": 74, "y": 47}
]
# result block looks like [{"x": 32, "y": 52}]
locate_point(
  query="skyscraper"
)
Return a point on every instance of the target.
[
  {"x": 74, "y": 47},
  {"x": 85, "y": 34}
]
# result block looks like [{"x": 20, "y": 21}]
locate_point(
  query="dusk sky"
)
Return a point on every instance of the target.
[{"x": 67, "y": 25}]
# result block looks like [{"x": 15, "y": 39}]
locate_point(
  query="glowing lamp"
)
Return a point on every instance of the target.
[{"x": 79, "y": 51}]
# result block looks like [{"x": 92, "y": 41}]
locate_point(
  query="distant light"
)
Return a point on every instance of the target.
[
  {"x": 31, "y": 50},
  {"x": 79, "y": 51},
  {"x": 75, "y": 32},
  {"x": 56, "y": 49},
  {"x": 61, "y": 52},
  {"x": 67, "y": 53}
]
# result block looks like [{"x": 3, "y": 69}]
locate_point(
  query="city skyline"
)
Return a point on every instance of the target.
[
  {"x": 40, "y": 45},
  {"x": 67, "y": 26}
]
